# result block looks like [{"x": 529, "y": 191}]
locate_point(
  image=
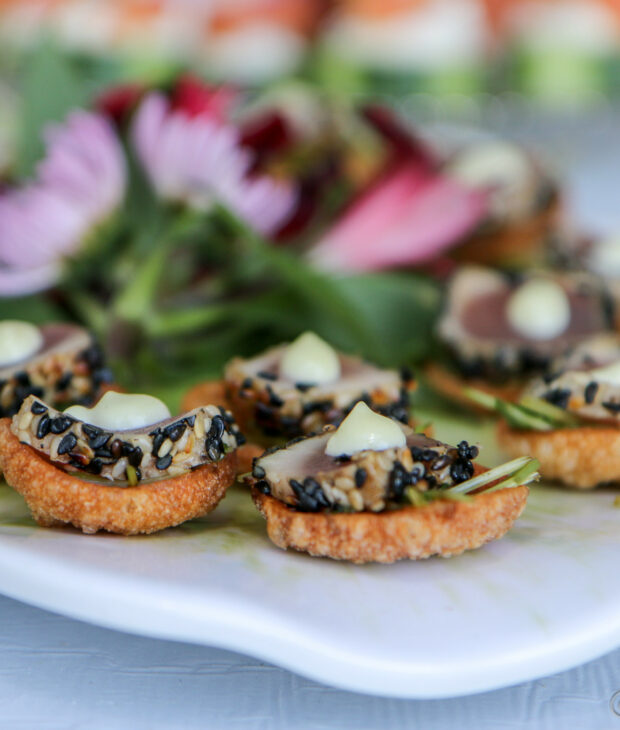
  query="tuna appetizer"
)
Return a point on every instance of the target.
[
  {"x": 523, "y": 204},
  {"x": 57, "y": 362},
  {"x": 570, "y": 418},
  {"x": 374, "y": 490},
  {"x": 295, "y": 389},
  {"x": 124, "y": 466},
  {"x": 500, "y": 330}
]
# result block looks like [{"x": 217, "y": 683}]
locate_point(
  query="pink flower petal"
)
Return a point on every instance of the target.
[{"x": 408, "y": 217}]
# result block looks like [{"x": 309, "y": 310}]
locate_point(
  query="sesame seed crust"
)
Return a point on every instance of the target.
[
  {"x": 583, "y": 457},
  {"x": 56, "y": 498},
  {"x": 269, "y": 406},
  {"x": 442, "y": 527},
  {"x": 168, "y": 448}
]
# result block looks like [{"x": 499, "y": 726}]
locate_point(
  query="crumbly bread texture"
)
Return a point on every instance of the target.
[
  {"x": 514, "y": 243},
  {"x": 443, "y": 527},
  {"x": 56, "y": 498},
  {"x": 214, "y": 391},
  {"x": 582, "y": 457},
  {"x": 451, "y": 385}
]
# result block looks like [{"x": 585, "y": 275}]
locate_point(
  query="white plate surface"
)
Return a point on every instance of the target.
[{"x": 544, "y": 598}]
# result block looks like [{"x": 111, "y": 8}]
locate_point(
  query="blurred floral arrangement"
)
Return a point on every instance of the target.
[
  {"x": 184, "y": 221},
  {"x": 188, "y": 222}
]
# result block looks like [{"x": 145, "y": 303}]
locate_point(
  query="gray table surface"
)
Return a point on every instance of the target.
[{"x": 58, "y": 673}]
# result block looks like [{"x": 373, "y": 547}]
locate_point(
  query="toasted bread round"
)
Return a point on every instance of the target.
[
  {"x": 451, "y": 385},
  {"x": 582, "y": 457},
  {"x": 57, "y": 498},
  {"x": 513, "y": 244},
  {"x": 444, "y": 527}
]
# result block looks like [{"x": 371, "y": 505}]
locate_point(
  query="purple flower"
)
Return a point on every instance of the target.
[
  {"x": 198, "y": 160},
  {"x": 79, "y": 183}
]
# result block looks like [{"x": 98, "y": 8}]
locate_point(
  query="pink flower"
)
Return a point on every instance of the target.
[
  {"x": 198, "y": 160},
  {"x": 409, "y": 216},
  {"x": 79, "y": 183}
]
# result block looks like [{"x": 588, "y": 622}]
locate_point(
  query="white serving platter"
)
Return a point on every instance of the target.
[{"x": 543, "y": 599}]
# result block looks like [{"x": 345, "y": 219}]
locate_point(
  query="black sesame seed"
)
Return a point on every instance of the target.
[
  {"x": 191, "y": 420},
  {"x": 360, "y": 477},
  {"x": 37, "y": 408},
  {"x": 274, "y": 398},
  {"x": 116, "y": 447},
  {"x": 60, "y": 424},
  {"x": 44, "y": 426},
  {"x": 22, "y": 378},
  {"x": 247, "y": 384},
  {"x": 263, "y": 412},
  {"x": 613, "y": 407},
  {"x": 258, "y": 472},
  {"x": 175, "y": 430},
  {"x": 158, "y": 440},
  {"x": 590, "y": 392},
  {"x": 305, "y": 502},
  {"x": 558, "y": 397},
  {"x": 266, "y": 375},
  {"x": 303, "y": 387},
  {"x": 95, "y": 466},
  {"x": 67, "y": 444},
  {"x": 428, "y": 455},
  {"x": 133, "y": 454},
  {"x": 99, "y": 441},
  {"x": 164, "y": 462},
  {"x": 64, "y": 381},
  {"x": 263, "y": 486},
  {"x": 240, "y": 438},
  {"x": 103, "y": 453},
  {"x": 314, "y": 489}
]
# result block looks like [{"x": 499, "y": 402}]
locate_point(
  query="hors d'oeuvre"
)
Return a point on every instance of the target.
[
  {"x": 373, "y": 490},
  {"x": 501, "y": 330},
  {"x": 523, "y": 204},
  {"x": 59, "y": 363},
  {"x": 570, "y": 419},
  {"x": 124, "y": 466},
  {"x": 295, "y": 389}
]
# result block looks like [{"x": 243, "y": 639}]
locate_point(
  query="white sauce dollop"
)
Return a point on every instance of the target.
[
  {"x": 122, "y": 411},
  {"x": 18, "y": 341},
  {"x": 503, "y": 169},
  {"x": 363, "y": 430},
  {"x": 309, "y": 359},
  {"x": 539, "y": 310}
]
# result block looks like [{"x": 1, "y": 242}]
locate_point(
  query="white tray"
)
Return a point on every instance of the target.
[{"x": 543, "y": 599}]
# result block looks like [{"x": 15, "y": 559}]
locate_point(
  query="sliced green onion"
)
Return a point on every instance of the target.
[
  {"x": 132, "y": 476},
  {"x": 548, "y": 410},
  {"x": 486, "y": 400},
  {"x": 512, "y": 469}
]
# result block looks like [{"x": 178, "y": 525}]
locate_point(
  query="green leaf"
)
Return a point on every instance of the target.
[
  {"x": 37, "y": 309},
  {"x": 50, "y": 88}
]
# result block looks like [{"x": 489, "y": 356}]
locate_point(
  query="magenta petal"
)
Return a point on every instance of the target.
[{"x": 407, "y": 218}]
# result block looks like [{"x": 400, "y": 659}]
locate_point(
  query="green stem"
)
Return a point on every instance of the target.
[{"x": 510, "y": 468}]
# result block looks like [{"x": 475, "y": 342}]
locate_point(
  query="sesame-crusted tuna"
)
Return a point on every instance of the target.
[
  {"x": 303, "y": 476},
  {"x": 69, "y": 368},
  {"x": 266, "y": 402},
  {"x": 574, "y": 384},
  {"x": 476, "y": 329},
  {"x": 165, "y": 449}
]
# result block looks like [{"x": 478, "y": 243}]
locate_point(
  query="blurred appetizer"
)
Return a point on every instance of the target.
[
  {"x": 59, "y": 363},
  {"x": 373, "y": 490},
  {"x": 570, "y": 419},
  {"x": 124, "y": 466},
  {"x": 502, "y": 329},
  {"x": 523, "y": 204},
  {"x": 294, "y": 389}
]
